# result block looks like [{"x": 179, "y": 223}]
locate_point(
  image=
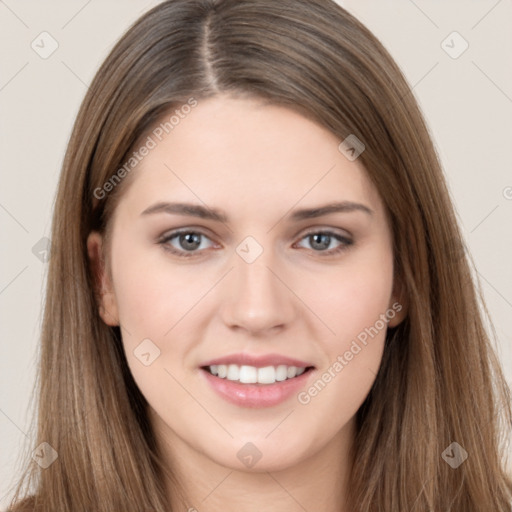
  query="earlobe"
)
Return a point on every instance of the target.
[{"x": 103, "y": 290}]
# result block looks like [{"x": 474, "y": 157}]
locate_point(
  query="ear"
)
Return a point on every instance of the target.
[
  {"x": 103, "y": 289},
  {"x": 398, "y": 303}
]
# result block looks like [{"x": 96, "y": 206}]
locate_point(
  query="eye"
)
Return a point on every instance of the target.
[
  {"x": 186, "y": 242},
  {"x": 321, "y": 241}
]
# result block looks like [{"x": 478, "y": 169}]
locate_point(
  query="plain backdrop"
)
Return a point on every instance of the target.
[{"x": 465, "y": 93}]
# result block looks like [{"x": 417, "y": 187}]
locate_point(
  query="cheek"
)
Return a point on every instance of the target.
[
  {"x": 355, "y": 309},
  {"x": 152, "y": 297},
  {"x": 354, "y": 296},
  {"x": 354, "y": 306},
  {"x": 158, "y": 300},
  {"x": 152, "y": 294}
]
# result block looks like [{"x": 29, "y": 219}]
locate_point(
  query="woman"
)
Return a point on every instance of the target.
[{"x": 257, "y": 297}]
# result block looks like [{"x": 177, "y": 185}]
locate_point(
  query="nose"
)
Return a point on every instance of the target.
[{"x": 257, "y": 298}]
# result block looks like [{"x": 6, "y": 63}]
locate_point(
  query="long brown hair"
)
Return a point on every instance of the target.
[{"x": 439, "y": 381}]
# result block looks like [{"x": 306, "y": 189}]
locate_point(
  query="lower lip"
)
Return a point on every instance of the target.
[{"x": 256, "y": 395}]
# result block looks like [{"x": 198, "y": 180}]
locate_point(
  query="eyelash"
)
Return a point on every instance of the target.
[{"x": 165, "y": 239}]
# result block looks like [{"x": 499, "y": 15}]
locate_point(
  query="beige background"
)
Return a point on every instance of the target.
[{"x": 467, "y": 102}]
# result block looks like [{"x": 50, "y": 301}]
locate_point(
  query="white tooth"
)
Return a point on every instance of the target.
[
  {"x": 233, "y": 372},
  {"x": 248, "y": 374},
  {"x": 281, "y": 372},
  {"x": 222, "y": 370},
  {"x": 291, "y": 372},
  {"x": 251, "y": 375},
  {"x": 267, "y": 375}
]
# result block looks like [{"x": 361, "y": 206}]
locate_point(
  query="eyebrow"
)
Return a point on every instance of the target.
[{"x": 195, "y": 210}]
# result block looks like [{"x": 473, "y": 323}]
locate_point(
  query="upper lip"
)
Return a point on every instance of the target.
[{"x": 259, "y": 361}]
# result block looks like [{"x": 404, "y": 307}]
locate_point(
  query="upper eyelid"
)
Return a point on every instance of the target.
[
  {"x": 336, "y": 231},
  {"x": 179, "y": 231}
]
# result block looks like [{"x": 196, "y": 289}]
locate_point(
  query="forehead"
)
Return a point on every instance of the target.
[{"x": 243, "y": 154}]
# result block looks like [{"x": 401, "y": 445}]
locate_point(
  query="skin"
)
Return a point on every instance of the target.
[{"x": 258, "y": 163}]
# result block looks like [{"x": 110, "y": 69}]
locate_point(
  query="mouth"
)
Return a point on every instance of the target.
[
  {"x": 246, "y": 374},
  {"x": 256, "y": 380},
  {"x": 260, "y": 381}
]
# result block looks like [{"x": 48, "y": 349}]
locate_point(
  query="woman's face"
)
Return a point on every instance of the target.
[{"x": 261, "y": 284}]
